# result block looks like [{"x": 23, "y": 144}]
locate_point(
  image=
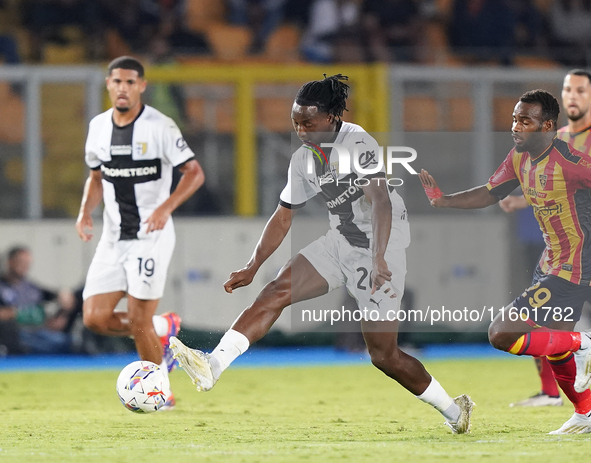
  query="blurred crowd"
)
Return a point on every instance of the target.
[
  {"x": 38, "y": 320},
  {"x": 327, "y": 30}
]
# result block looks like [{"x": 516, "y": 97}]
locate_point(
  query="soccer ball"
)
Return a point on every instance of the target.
[{"x": 143, "y": 387}]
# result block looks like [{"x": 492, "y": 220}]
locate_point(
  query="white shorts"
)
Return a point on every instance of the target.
[
  {"x": 138, "y": 267},
  {"x": 340, "y": 264}
]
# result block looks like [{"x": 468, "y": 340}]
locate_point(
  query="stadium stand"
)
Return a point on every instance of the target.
[{"x": 229, "y": 43}]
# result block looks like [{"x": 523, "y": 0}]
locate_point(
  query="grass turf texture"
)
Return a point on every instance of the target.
[{"x": 324, "y": 414}]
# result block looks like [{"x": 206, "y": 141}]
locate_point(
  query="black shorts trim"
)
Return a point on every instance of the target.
[{"x": 552, "y": 299}]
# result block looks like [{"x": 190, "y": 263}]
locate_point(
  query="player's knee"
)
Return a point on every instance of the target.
[
  {"x": 92, "y": 319},
  {"x": 384, "y": 360},
  {"x": 498, "y": 339},
  {"x": 277, "y": 294},
  {"x": 379, "y": 361}
]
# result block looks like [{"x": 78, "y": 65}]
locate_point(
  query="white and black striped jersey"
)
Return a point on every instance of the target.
[
  {"x": 136, "y": 162},
  {"x": 348, "y": 209}
]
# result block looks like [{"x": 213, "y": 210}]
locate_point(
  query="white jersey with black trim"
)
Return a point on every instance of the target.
[
  {"x": 136, "y": 162},
  {"x": 349, "y": 210}
]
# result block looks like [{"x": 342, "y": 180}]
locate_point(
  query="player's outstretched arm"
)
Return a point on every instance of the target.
[
  {"x": 193, "y": 177},
  {"x": 513, "y": 203},
  {"x": 272, "y": 236},
  {"x": 474, "y": 198},
  {"x": 91, "y": 198}
]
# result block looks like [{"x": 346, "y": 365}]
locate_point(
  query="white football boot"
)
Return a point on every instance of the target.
[
  {"x": 539, "y": 400},
  {"x": 195, "y": 363},
  {"x": 577, "y": 424},
  {"x": 583, "y": 362},
  {"x": 462, "y": 426}
]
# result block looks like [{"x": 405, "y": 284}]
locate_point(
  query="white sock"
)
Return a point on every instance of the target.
[
  {"x": 585, "y": 341},
  {"x": 164, "y": 367},
  {"x": 160, "y": 325},
  {"x": 232, "y": 344},
  {"x": 436, "y": 396}
]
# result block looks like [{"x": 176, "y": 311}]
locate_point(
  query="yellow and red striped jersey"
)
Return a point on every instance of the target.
[
  {"x": 557, "y": 185},
  {"x": 581, "y": 141}
]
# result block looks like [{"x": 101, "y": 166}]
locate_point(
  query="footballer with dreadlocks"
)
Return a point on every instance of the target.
[{"x": 369, "y": 234}]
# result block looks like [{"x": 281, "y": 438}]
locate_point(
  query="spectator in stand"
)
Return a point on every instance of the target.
[
  {"x": 297, "y": 12},
  {"x": 483, "y": 30},
  {"x": 530, "y": 26},
  {"x": 333, "y": 32},
  {"x": 263, "y": 17},
  {"x": 570, "y": 32},
  {"x": 44, "y": 19},
  {"x": 24, "y": 324},
  {"x": 155, "y": 27},
  {"x": 173, "y": 31},
  {"x": 133, "y": 20},
  {"x": 9, "y": 49},
  {"x": 392, "y": 29}
]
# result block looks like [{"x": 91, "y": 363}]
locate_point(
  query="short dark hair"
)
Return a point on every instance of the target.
[
  {"x": 12, "y": 252},
  {"x": 549, "y": 104},
  {"x": 579, "y": 72},
  {"x": 126, "y": 62},
  {"x": 329, "y": 95}
]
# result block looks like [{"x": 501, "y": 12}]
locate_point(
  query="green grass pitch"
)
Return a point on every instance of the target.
[{"x": 315, "y": 414}]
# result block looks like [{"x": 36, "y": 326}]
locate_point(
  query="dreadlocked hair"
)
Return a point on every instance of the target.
[{"x": 329, "y": 95}]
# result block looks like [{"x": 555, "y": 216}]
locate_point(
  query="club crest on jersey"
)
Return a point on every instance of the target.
[
  {"x": 140, "y": 148},
  {"x": 543, "y": 180}
]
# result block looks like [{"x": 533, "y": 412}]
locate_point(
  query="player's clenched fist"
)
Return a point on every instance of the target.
[{"x": 239, "y": 278}]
